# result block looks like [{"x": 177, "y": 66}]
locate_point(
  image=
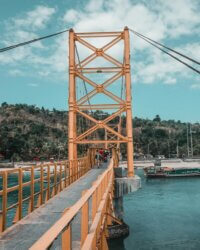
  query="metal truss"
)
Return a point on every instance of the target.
[{"x": 80, "y": 70}]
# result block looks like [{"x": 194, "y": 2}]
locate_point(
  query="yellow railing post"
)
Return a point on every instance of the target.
[
  {"x": 89, "y": 158},
  {"x": 94, "y": 203},
  {"x": 70, "y": 172},
  {"x": 60, "y": 187},
  {"x": 81, "y": 167},
  {"x": 65, "y": 167},
  {"x": 48, "y": 183},
  {"x": 4, "y": 202},
  {"x": 67, "y": 239},
  {"x": 18, "y": 214},
  {"x": 20, "y": 199},
  {"x": 41, "y": 184},
  {"x": 77, "y": 170},
  {"x": 84, "y": 220},
  {"x": 55, "y": 180},
  {"x": 84, "y": 166},
  {"x": 31, "y": 202}
]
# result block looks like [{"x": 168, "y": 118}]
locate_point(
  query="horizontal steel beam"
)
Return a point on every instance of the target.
[
  {"x": 99, "y": 70},
  {"x": 99, "y": 34},
  {"x": 101, "y": 107},
  {"x": 100, "y": 141}
]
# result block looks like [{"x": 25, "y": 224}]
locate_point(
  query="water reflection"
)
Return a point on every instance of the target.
[{"x": 117, "y": 244}]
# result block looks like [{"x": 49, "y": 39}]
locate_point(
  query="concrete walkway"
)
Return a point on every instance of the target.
[{"x": 22, "y": 235}]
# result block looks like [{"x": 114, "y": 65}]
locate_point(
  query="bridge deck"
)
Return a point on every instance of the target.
[{"x": 23, "y": 234}]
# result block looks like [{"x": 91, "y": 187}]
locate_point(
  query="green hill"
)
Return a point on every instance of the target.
[{"x": 28, "y": 132}]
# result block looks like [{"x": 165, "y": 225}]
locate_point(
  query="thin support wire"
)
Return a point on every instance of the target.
[{"x": 164, "y": 51}]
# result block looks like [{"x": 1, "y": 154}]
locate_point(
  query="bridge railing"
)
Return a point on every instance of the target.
[
  {"x": 25, "y": 189},
  {"x": 93, "y": 225}
]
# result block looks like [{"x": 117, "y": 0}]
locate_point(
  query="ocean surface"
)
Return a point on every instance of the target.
[{"x": 163, "y": 215}]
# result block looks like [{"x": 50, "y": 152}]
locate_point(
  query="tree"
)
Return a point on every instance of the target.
[
  {"x": 157, "y": 118},
  {"x": 161, "y": 133},
  {"x": 4, "y": 105}
]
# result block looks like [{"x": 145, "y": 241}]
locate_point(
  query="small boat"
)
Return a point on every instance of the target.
[{"x": 157, "y": 171}]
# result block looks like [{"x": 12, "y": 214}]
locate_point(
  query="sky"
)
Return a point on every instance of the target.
[{"x": 38, "y": 73}]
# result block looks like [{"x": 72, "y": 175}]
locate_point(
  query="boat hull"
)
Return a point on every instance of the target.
[
  {"x": 171, "y": 175},
  {"x": 168, "y": 173}
]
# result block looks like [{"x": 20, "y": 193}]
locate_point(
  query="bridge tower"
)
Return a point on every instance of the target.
[{"x": 78, "y": 68}]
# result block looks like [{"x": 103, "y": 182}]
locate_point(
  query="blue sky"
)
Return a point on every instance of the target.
[{"x": 38, "y": 74}]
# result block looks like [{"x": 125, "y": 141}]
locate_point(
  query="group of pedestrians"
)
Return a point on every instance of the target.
[{"x": 101, "y": 156}]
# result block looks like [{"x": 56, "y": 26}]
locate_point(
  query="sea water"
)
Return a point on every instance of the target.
[{"x": 163, "y": 215}]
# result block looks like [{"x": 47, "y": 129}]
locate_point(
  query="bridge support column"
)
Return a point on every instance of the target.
[
  {"x": 72, "y": 147},
  {"x": 129, "y": 128},
  {"x": 123, "y": 185}
]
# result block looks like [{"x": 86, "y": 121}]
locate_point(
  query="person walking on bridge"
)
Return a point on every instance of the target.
[{"x": 98, "y": 158}]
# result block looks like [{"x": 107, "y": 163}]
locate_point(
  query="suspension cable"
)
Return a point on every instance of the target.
[
  {"x": 85, "y": 87},
  {"x": 122, "y": 89},
  {"x": 162, "y": 45},
  {"x": 31, "y": 41},
  {"x": 84, "y": 83},
  {"x": 164, "y": 51}
]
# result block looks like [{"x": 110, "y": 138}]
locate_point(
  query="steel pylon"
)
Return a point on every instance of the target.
[{"x": 80, "y": 106}]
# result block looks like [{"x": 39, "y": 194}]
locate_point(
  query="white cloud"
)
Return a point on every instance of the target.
[
  {"x": 34, "y": 85},
  {"x": 157, "y": 19},
  {"x": 18, "y": 35},
  {"x": 165, "y": 19},
  {"x": 16, "y": 72},
  {"x": 94, "y": 5},
  {"x": 21, "y": 30},
  {"x": 71, "y": 16},
  {"x": 195, "y": 86},
  {"x": 35, "y": 19},
  {"x": 180, "y": 16},
  {"x": 59, "y": 59},
  {"x": 160, "y": 68},
  {"x": 191, "y": 49},
  {"x": 169, "y": 80},
  {"x": 14, "y": 56},
  {"x": 44, "y": 73}
]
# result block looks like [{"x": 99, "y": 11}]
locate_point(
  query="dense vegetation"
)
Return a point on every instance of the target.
[
  {"x": 28, "y": 132},
  {"x": 168, "y": 138}
]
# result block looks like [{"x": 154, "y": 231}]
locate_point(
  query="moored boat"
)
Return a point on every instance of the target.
[{"x": 156, "y": 171}]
